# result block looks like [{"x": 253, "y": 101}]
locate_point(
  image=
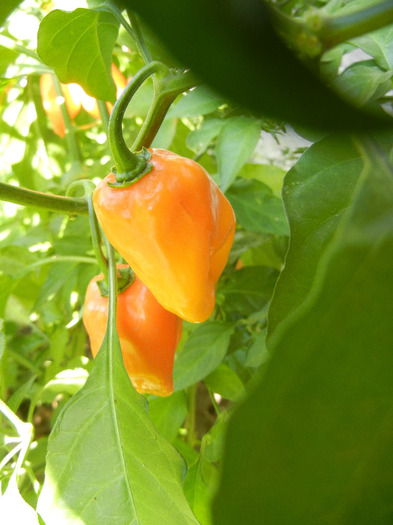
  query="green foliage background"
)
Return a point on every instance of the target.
[{"x": 281, "y": 410}]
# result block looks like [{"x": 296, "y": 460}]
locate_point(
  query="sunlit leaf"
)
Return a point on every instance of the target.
[
  {"x": 106, "y": 461},
  {"x": 78, "y": 46}
]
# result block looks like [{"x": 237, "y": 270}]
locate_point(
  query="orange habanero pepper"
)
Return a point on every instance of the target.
[
  {"x": 175, "y": 228},
  {"x": 148, "y": 334}
]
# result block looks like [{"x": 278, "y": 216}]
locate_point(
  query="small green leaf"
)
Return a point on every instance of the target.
[
  {"x": 269, "y": 174},
  {"x": 199, "y": 139},
  {"x": 378, "y": 44},
  {"x": 168, "y": 414},
  {"x": 202, "y": 353},
  {"x": 257, "y": 209},
  {"x": 200, "y": 101},
  {"x": 235, "y": 145},
  {"x": 257, "y": 353},
  {"x": 363, "y": 82},
  {"x": 249, "y": 289},
  {"x": 224, "y": 381},
  {"x": 78, "y": 46}
]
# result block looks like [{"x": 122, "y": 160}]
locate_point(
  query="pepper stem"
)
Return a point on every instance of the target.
[{"x": 129, "y": 167}]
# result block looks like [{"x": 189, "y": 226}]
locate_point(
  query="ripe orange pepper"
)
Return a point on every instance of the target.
[
  {"x": 148, "y": 334},
  {"x": 175, "y": 228}
]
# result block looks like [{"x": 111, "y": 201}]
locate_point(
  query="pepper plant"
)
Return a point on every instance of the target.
[{"x": 282, "y": 392}]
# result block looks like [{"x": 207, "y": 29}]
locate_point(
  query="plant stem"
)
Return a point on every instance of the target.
[
  {"x": 191, "y": 397},
  {"x": 104, "y": 115},
  {"x": 139, "y": 40},
  {"x": 314, "y": 34},
  {"x": 96, "y": 239},
  {"x": 128, "y": 164},
  {"x": 57, "y": 203},
  {"x": 165, "y": 92},
  {"x": 339, "y": 29}
]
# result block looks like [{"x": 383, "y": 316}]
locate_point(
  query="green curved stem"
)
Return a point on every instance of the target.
[
  {"x": 128, "y": 165},
  {"x": 342, "y": 28},
  {"x": 112, "y": 286},
  {"x": 96, "y": 239},
  {"x": 317, "y": 32},
  {"x": 57, "y": 203},
  {"x": 165, "y": 92},
  {"x": 138, "y": 39}
]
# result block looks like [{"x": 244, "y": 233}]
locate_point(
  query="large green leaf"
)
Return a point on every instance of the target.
[
  {"x": 78, "y": 46},
  {"x": 317, "y": 433},
  {"x": 232, "y": 46},
  {"x": 106, "y": 462}
]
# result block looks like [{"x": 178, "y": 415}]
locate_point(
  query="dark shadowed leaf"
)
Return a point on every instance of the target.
[
  {"x": 316, "y": 434},
  {"x": 234, "y": 49}
]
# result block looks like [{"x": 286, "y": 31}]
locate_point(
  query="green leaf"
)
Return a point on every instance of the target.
[
  {"x": 269, "y": 174},
  {"x": 234, "y": 48},
  {"x": 199, "y": 139},
  {"x": 201, "y": 354},
  {"x": 257, "y": 353},
  {"x": 6, "y": 9},
  {"x": 78, "y": 46},
  {"x": 363, "y": 81},
  {"x": 378, "y": 44},
  {"x": 2, "y": 339},
  {"x": 106, "y": 461},
  {"x": 168, "y": 414},
  {"x": 256, "y": 208},
  {"x": 235, "y": 145},
  {"x": 225, "y": 381},
  {"x": 248, "y": 289},
  {"x": 200, "y": 101},
  {"x": 316, "y": 434},
  {"x": 332, "y": 163}
]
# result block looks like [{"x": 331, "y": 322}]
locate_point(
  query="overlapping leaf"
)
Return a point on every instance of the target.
[{"x": 316, "y": 434}]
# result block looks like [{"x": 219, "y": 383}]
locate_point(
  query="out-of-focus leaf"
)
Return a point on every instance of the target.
[
  {"x": 199, "y": 139},
  {"x": 202, "y": 353},
  {"x": 225, "y": 382},
  {"x": 234, "y": 49},
  {"x": 168, "y": 414},
  {"x": 78, "y": 46},
  {"x": 236, "y": 143},
  {"x": 364, "y": 81},
  {"x": 248, "y": 289},
  {"x": 257, "y": 209},
  {"x": 378, "y": 44},
  {"x": 2, "y": 339},
  {"x": 200, "y": 101},
  {"x": 6, "y": 9},
  {"x": 316, "y": 434}
]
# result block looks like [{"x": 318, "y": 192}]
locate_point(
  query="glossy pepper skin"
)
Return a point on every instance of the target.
[
  {"x": 148, "y": 334},
  {"x": 175, "y": 228}
]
